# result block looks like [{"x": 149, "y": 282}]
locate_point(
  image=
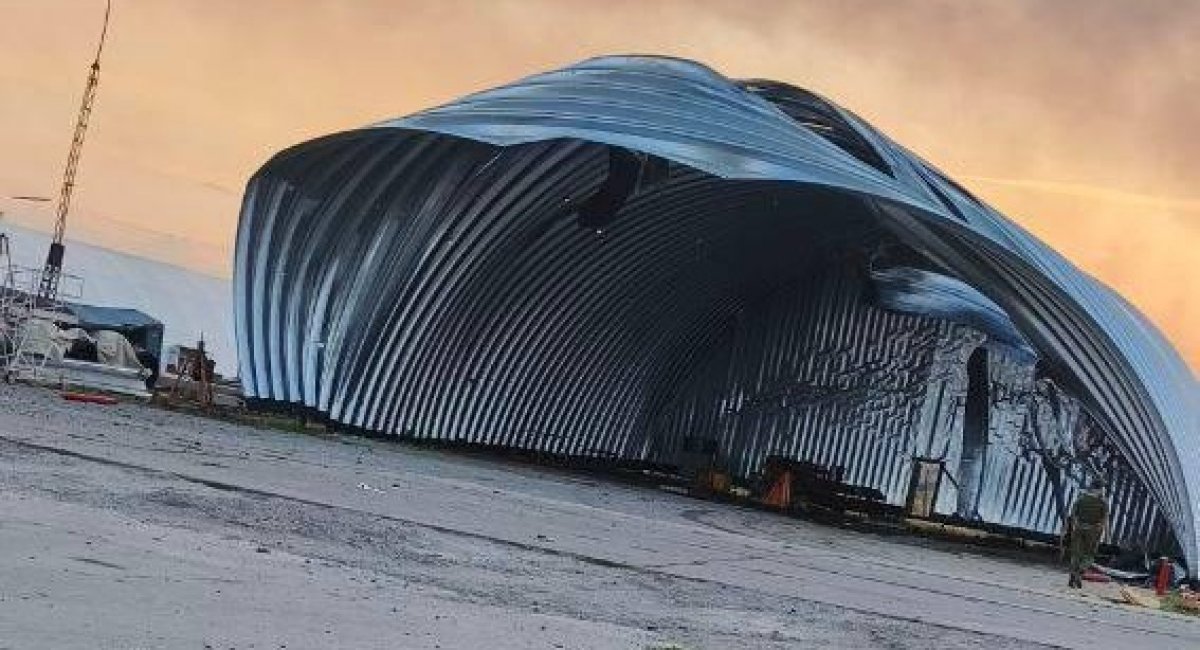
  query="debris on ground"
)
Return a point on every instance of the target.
[
  {"x": 90, "y": 398},
  {"x": 1182, "y": 601},
  {"x": 1129, "y": 577},
  {"x": 1139, "y": 597}
]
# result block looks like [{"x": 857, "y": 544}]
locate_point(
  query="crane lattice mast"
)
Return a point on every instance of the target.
[{"x": 52, "y": 271}]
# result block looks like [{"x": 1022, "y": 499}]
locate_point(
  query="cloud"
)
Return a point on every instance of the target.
[{"x": 1130, "y": 200}]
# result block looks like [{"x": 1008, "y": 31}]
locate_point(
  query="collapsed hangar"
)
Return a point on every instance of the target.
[{"x": 635, "y": 257}]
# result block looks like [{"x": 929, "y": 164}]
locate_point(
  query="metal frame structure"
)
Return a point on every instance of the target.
[
  {"x": 22, "y": 354},
  {"x": 611, "y": 258}
]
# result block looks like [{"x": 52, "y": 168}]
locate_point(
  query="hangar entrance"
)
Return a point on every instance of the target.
[
  {"x": 820, "y": 345},
  {"x": 807, "y": 351}
]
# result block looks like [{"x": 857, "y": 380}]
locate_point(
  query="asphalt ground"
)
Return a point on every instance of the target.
[{"x": 133, "y": 527}]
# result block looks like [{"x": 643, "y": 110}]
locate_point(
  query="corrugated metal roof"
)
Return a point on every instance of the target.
[{"x": 423, "y": 276}]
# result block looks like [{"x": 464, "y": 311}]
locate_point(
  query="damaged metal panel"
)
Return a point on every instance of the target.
[
  {"x": 1016, "y": 488},
  {"x": 920, "y": 291},
  {"x": 456, "y": 275},
  {"x": 817, "y": 373}
]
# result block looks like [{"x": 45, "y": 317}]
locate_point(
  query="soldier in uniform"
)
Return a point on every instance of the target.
[{"x": 1089, "y": 517}]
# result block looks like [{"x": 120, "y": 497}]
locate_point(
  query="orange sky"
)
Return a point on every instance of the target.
[{"x": 1077, "y": 118}]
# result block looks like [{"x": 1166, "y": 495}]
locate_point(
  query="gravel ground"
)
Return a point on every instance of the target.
[{"x": 132, "y": 527}]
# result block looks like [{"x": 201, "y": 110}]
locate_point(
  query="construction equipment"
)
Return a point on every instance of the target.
[
  {"x": 52, "y": 271},
  {"x": 27, "y": 321}
]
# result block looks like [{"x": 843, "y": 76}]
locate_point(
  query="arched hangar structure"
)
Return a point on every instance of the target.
[{"x": 636, "y": 258}]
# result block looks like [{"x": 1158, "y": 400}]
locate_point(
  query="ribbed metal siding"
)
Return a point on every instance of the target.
[
  {"x": 552, "y": 341},
  {"x": 818, "y": 372}
]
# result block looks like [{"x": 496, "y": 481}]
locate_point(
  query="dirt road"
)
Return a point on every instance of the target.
[{"x": 130, "y": 527}]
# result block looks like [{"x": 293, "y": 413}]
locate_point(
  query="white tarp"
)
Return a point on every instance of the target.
[
  {"x": 113, "y": 349},
  {"x": 39, "y": 337}
]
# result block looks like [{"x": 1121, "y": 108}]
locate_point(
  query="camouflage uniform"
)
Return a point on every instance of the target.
[{"x": 1087, "y": 526}]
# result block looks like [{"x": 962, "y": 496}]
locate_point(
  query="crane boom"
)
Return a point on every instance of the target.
[{"x": 52, "y": 271}]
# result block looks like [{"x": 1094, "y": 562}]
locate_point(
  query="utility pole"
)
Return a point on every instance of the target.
[{"x": 52, "y": 271}]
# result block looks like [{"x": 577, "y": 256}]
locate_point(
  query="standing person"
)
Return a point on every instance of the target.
[{"x": 1089, "y": 517}]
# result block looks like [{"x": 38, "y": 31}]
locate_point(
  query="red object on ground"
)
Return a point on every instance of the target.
[
  {"x": 90, "y": 398},
  {"x": 780, "y": 494},
  {"x": 1163, "y": 579},
  {"x": 1092, "y": 575}
]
